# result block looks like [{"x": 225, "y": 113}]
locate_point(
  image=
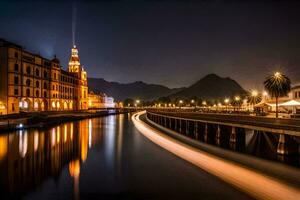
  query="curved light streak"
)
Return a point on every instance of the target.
[{"x": 253, "y": 183}]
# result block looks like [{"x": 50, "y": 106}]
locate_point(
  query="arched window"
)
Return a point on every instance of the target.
[
  {"x": 28, "y": 70},
  {"x": 45, "y": 94},
  {"x": 37, "y": 93},
  {"x": 37, "y": 72},
  {"x": 28, "y": 82},
  {"x": 45, "y": 85},
  {"x": 37, "y": 84},
  {"x": 27, "y": 92}
]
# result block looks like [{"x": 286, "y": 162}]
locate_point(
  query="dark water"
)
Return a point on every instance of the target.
[{"x": 100, "y": 158}]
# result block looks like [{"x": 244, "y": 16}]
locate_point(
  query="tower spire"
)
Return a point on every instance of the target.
[{"x": 74, "y": 62}]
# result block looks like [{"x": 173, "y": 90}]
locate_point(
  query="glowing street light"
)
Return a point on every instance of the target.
[
  {"x": 226, "y": 101},
  {"x": 254, "y": 93},
  {"x": 180, "y": 103},
  {"x": 137, "y": 102},
  {"x": 277, "y": 75},
  {"x": 237, "y": 98}
]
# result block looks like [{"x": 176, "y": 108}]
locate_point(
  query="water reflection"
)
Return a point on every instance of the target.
[{"x": 29, "y": 157}]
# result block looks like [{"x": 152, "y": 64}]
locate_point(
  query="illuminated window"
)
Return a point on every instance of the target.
[
  {"x": 53, "y": 104},
  {"x": 25, "y": 104},
  {"x": 36, "y": 105}
]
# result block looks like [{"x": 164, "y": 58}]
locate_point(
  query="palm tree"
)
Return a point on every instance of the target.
[{"x": 277, "y": 85}]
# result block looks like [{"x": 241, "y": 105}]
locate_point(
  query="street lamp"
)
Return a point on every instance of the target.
[
  {"x": 137, "y": 103},
  {"x": 237, "y": 101},
  {"x": 226, "y": 101},
  {"x": 254, "y": 93},
  {"x": 180, "y": 103},
  {"x": 193, "y": 102},
  {"x": 254, "y": 98},
  {"x": 277, "y": 75}
]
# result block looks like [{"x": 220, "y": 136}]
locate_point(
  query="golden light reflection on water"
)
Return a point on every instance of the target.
[
  {"x": 3, "y": 146},
  {"x": 35, "y": 155},
  {"x": 23, "y": 143},
  {"x": 74, "y": 168},
  {"x": 36, "y": 140}
]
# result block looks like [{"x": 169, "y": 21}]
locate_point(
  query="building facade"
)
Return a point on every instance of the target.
[
  {"x": 29, "y": 82},
  {"x": 98, "y": 101}
]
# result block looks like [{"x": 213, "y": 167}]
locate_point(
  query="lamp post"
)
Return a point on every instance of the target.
[
  {"x": 137, "y": 102},
  {"x": 180, "y": 103},
  {"x": 254, "y": 95},
  {"x": 193, "y": 102},
  {"x": 237, "y": 100},
  {"x": 226, "y": 101},
  {"x": 204, "y": 104}
]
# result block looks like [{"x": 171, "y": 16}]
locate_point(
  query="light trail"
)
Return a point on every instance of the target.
[{"x": 253, "y": 183}]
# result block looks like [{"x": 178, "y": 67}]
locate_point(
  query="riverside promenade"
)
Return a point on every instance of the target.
[
  {"x": 276, "y": 125},
  {"x": 230, "y": 127},
  {"x": 49, "y": 118}
]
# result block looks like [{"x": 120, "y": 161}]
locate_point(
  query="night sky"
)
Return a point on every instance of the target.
[{"x": 174, "y": 43}]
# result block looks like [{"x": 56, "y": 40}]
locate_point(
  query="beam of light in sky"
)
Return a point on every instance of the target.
[
  {"x": 255, "y": 184},
  {"x": 74, "y": 13}
]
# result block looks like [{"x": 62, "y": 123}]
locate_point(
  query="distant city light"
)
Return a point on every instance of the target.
[
  {"x": 226, "y": 100},
  {"x": 237, "y": 98}
]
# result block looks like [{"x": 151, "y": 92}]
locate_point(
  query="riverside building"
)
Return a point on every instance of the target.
[{"x": 29, "y": 82}]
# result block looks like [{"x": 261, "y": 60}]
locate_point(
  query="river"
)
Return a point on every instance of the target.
[{"x": 99, "y": 158}]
